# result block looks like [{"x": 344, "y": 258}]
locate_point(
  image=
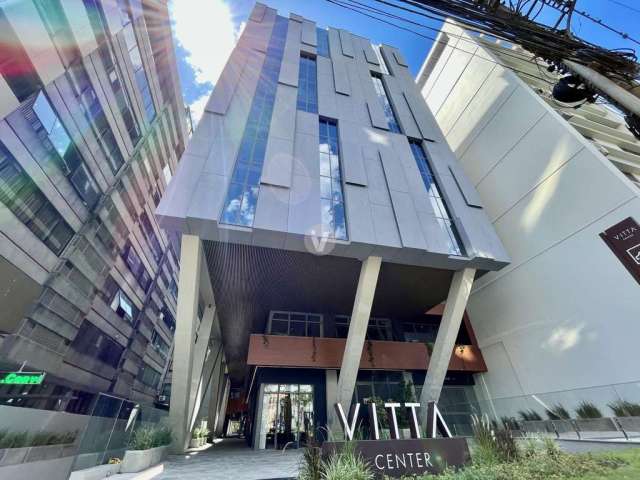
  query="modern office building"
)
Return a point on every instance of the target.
[
  {"x": 92, "y": 127},
  {"x": 561, "y": 187},
  {"x": 324, "y": 220}
]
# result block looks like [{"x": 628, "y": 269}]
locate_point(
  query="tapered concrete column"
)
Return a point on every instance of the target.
[
  {"x": 222, "y": 410},
  {"x": 186, "y": 322},
  {"x": 217, "y": 377},
  {"x": 331, "y": 389},
  {"x": 198, "y": 376},
  {"x": 357, "y": 331},
  {"x": 447, "y": 333},
  {"x": 211, "y": 366}
]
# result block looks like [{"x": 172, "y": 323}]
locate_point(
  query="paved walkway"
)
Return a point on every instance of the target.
[{"x": 232, "y": 459}]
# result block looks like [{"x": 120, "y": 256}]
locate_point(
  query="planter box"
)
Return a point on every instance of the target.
[
  {"x": 96, "y": 473},
  {"x": 138, "y": 460},
  {"x": 194, "y": 443},
  {"x": 52, "y": 469},
  {"x": 14, "y": 456}
]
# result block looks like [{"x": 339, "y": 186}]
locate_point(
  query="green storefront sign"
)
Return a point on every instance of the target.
[{"x": 21, "y": 378}]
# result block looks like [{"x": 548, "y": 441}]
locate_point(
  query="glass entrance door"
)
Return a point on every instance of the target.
[{"x": 287, "y": 415}]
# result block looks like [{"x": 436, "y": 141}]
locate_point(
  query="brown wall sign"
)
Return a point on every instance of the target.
[
  {"x": 397, "y": 458},
  {"x": 624, "y": 241},
  {"x": 414, "y": 456}
]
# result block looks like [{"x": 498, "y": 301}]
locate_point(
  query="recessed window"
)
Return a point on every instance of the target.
[
  {"x": 438, "y": 204},
  {"x": 387, "y": 108},
  {"x": 123, "y": 306},
  {"x": 22, "y": 196},
  {"x": 133, "y": 261},
  {"x": 377, "y": 329},
  {"x": 242, "y": 195},
  {"x": 56, "y": 139},
  {"x": 331, "y": 195},
  {"x": 159, "y": 345},
  {"x": 93, "y": 342},
  {"x": 295, "y": 324},
  {"x": 308, "y": 85},
  {"x": 323, "y": 42}
]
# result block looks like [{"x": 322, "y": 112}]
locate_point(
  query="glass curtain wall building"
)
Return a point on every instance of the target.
[{"x": 91, "y": 125}]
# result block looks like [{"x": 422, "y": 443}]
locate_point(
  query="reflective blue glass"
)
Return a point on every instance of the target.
[
  {"x": 242, "y": 196},
  {"x": 307, "y": 85},
  {"x": 438, "y": 204},
  {"x": 71, "y": 162},
  {"x": 323, "y": 42},
  {"x": 386, "y": 104},
  {"x": 139, "y": 73},
  {"x": 331, "y": 195}
]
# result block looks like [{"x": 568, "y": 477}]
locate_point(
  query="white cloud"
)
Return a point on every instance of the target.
[{"x": 205, "y": 29}]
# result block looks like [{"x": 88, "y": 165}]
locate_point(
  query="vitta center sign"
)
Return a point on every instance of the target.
[{"x": 398, "y": 457}]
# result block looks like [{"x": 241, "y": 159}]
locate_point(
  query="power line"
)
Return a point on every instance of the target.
[
  {"x": 604, "y": 25},
  {"x": 624, "y": 5},
  {"x": 341, "y": 3}
]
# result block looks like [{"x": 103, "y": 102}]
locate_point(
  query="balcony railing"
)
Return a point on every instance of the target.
[{"x": 314, "y": 352}]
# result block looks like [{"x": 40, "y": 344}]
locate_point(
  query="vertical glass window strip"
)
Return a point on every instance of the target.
[
  {"x": 308, "y": 85},
  {"x": 383, "y": 64},
  {"x": 21, "y": 195},
  {"x": 386, "y": 104},
  {"x": 95, "y": 115},
  {"x": 331, "y": 195},
  {"x": 242, "y": 196},
  {"x": 138, "y": 68},
  {"x": 437, "y": 202},
  {"x": 98, "y": 24},
  {"x": 56, "y": 139},
  {"x": 323, "y": 42}
]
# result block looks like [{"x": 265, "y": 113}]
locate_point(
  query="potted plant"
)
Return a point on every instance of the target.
[
  {"x": 195, "y": 438},
  {"x": 147, "y": 447}
]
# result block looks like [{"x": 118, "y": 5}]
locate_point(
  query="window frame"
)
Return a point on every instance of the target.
[{"x": 289, "y": 320}]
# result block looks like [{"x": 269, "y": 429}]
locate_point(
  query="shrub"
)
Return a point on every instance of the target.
[
  {"x": 510, "y": 423},
  {"x": 558, "y": 412},
  {"x": 162, "y": 436},
  {"x": 587, "y": 410},
  {"x": 141, "y": 439},
  {"x": 346, "y": 465},
  {"x": 311, "y": 464},
  {"x": 624, "y": 408},
  {"x": 529, "y": 415}
]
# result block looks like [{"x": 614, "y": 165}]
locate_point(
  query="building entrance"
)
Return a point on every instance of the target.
[{"x": 287, "y": 415}]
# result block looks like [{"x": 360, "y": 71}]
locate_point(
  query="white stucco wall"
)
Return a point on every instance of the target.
[{"x": 565, "y": 313}]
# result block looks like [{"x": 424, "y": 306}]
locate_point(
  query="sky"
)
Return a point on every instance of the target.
[{"x": 205, "y": 32}]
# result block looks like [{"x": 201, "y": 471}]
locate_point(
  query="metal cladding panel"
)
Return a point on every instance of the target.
[
  {"x": 256, "y": 35},
  {"x": 304, "y": 205},
  {"x": 257, "y": 14},
  {"x": 399, "y": 58},
  {"x": 351, "y": 157},
  {"x": 272, "y": 212},
  {"x": 377, "y": 183},
  {"x": 327, "y": 106},
  {"x": 283, "y": 118},
  {"x": 296, "y": 17},
  {"x": 407, "y": 219},
  {"x": 369, "y": 53},
  {"x": 467, "y": 189},
  {"x": 376, "y": 115},
  {"x": 359, "y": 218},
  {"x": 340, "y": 73},
  {"x": 346, "y": 43},
  {"x": 393, "y": 170},
  {"x": 385, "y": 226},
  {"x": 226, "y": 140},
  {"x": 436, "y": 238},
  {"x": 278, "y": 162},
  {"x": 229, "y": 80},
  {"x": 207, "y": 196},
  {"x": 309, "y": 34},
  {"x": 177, "y": 197},
  {"x": 305, "y": 155},
  {"x": 403, "y": 113},
  {"x": 291, "y": 57}
]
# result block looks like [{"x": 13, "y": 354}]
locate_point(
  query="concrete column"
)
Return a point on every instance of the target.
[
  {"x": 331, "y": 388},
  {"x": 186, "y": 322},
  {"x": 447, "y": 333},
  {"x": 357, "y": 331},
  {"x": 213, "y": 395},
  {"x": 222, "y": 410},
  {"x": 214, "y": 358},
  {"x": 198, "y": 376}
]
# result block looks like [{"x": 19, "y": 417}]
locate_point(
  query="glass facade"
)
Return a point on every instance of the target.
[
  {"x": 308, "y": 85},
  {"x": 381, "y": 91},
  {"x": 437, "y": 202},
  {"x": 295, "y": 324},
  {"x": 331, "y": 194},
  {"x": 21, "y": 195},
  {"x": 99, "y": 26},
  {"x": 56, "y": 139},
  {"x": 242, "y": 196},
  {"x": 377, "y": 328},
  {"x": 323, "y": 42}
]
